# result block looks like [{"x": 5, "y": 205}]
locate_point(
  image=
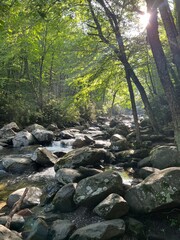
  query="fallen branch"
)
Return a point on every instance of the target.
[{"x": 15, "y": 208}]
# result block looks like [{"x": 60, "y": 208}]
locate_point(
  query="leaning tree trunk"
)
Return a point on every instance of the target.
[
  {"x": 171, "y": 32},
  {"x": 162, "y": 68},
  {"x": 177, "y": 8}
]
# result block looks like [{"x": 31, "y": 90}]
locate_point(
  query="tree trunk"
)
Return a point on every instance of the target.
[
  {"x": 177, "y": 8},
  {"x": 171, "y": 32},
  {"x": 162, "y": 68},
  {"x": 134, "y": 109}
]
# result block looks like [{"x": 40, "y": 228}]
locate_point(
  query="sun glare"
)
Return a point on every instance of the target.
[{"x": 144, "y": 20}]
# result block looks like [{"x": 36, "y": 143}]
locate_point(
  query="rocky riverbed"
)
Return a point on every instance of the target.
[{"x": 89, "y": 182}]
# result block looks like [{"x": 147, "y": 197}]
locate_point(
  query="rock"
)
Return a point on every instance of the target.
[
  {"x": 33, "y": 127},
  {"x": 32, "y": 198},
  {"x": 23, "y": 138},
  {"x": 66, "y": 134},
  {"x": 165, "y": 156},
  {"x": 92, "y": 190},
  {"x": 52, "y": 127},
  {"x": 43, "y": 136},
  {"x": 62, "y": 229},
  {"x": 87, "y": 172},
  {"x": 17, "y": 222},
  {"x": 145, "y": 172},
  {"x": 50, "y": 191},
  {"x": 3, "y": 174},
  {"x": 156, "y": 192},
  {"x": 63, "y": 200},
  {"x": 135, "y": 227},
  {"x": 18, "y": 164},
  {"x": 146, "y": 162},
  {"x": 118, "y": 143},
  {"x": 112, "y": 207},
  {"x": 82, "y": 157},
  {"x": 68, "y": 175},
  {"x": 11, "y": 125},
  {"x": 101, "y": 144},
  {"x": 6, "y": 234},
  {"x": 145, "y": 122},
  {"x": 44, "y": 157},
  {"x": 106, "y": 230},
  {"x": 79, "y": 142},
  {"x": 39, "y": 231}
]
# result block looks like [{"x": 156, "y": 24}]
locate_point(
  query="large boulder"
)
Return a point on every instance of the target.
[
  {"x": 31, "y": 199},
  {"x": 33, "y": 127},
  {"x": 106, "y": 230},
  {"x": 82, "y": 157},
  {"x": 68, "y": 175},
  {"x": 39, "y": 230},
  {"x": 112, "y": 207},
  {"x": 158, "y": 191},
  {"x": 43, "y": 135},
  {"x": 118, "y": 143},
  {"x": 18, "y": 164},
  {"x": 6, "y": 234},
  {"x": 63, "y": 200},
  {"x": 8, "y": 126},
  {"x": 92, "y": 190},
  {"x": 62, "y": 229},
  {"x": 23, "y": 138},
  {"x": 44, "y": 157},
  {"x": 165, "y": 156}
]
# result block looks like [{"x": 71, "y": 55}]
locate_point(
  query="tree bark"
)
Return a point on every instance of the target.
[{"x": 162, "y": 68}]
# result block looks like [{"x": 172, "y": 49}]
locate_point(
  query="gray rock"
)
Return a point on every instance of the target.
[
  {"x": 158, "y": 191},
  {"x": 11, "y": 125},
  {"x": 66, "y": 134},
  {"x": 112, "y": 207},
  {"x": 146, "y": 162},
  {"x": 23, "y": 138},
  {"x": 18, "y": 164},
  {"x": 6, "y": 234},
  {"x": 118, "y": 143},
  {"x": 82, "y": 157},
  {"x": 92, "y": 190},
  {"x": 3, "y": 174},
  {"x": 43, "y": 136},
  {"x": 68, "y": 175},
  {"x": 17, "y": 222},
  {"x": 49, "y": 191},
  {"x": 32, "y": 198},
  {"x": 63, "y": 200},
  {"x": 44, "y": 157},
  {"x": 62, "y": 229},
  {"x": 100, "y": 231},
  {"x": 79, "y": 142},
  {"x": 33, "y": 127},
  {"x": 87, "y": 172},
  {"x": 145, "y": 172},
  {"x": 39, "y": 231}
]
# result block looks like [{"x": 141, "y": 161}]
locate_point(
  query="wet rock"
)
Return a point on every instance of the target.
[
  {"x": 79, "y": 142},
  {"x": 50, "y": 191},
  {"x": 44, "y": 157},
  {"x": 118, "y": 143},
  {"x": 33, "y": 127},
  {"x": 158, "y": 191},
  {"x": 3, "y": 174},
  {"x": 17, "y": 222},
  {"x": 23, "y": 138},
  {"x": 6, "y": 234},
  {"x": 92, "y": 190},
  {"x": 87, "y": 172},
  {"x": 43, "y": 136},
  {"x": 112, "y": 207},
  {"x": 63, "y": 200},
  {"x": 32, "y": 197},
  {"x": 100, "y": 231},
  {"x": 66, "y": 134},
  {"x": 61, "y": 229},
  {"x": 83, "y": 157},
  {"x": 145, "y": 172},
  {"x": 68, "y": 175},
  {"x": 39, "y": 231},
  {"x": 18, "y": 164}
]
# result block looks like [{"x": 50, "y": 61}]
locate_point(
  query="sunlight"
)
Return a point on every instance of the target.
[{"x": 144, "y": 20}]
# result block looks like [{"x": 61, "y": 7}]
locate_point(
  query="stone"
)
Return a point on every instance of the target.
[
  {"x": 44, "y": 157},
  {"x": 33, "y": 127},
  {"x": 18, "y": 164},
  {"x": 79, "y": 142},
  {"x": 145, "y": 172},
  {"x": 32, "y": 197},
  {"x": 6, "y": 234},
  {"x": 17, "y": 222},
  {"x": 156, "y": 192},
  {"x": 49, "y": 191},
  {"x": 43, "y": 135},
  {"x": 39, "y": 230},
  {"x": 87, "y": 172},
  {"x": 82, "y": 157},
  {"x": 106, "y": 230},
  {"x": 66, "y": 134},
  {"x": 23, "y": 138},
  {"x": 11, "y": 125},
  {"x": 63, "y": 200},
  {"x": 61, "y": 229},
  {"x": 68, "y": 175},
  {"x": 112, "y": 207},
  {"x": 92, "y": 190},
  {"x": 118, "y": 143}
]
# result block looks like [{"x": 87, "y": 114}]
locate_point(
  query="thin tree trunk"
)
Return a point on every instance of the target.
[{"x": 162, "y": 67}]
